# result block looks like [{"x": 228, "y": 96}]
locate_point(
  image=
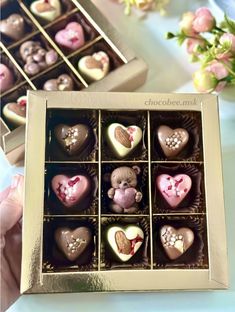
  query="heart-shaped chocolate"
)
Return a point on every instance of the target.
[
  {"x": 125, "y": 198},
  {"x": 176, "y": 241},
  {"x": 94, "y": 67},
  {"x": 123, "y": 140},
  {"x": 73, "y": 243},
  {"x": 48, "y": 10},
  {"x": 72, "y": 139},
  {"x": 71, "y": 37},
  {"x": 63, "y": 83},
  {"x": 71, "y": 191},
  {"x": 125, "y": 241},
  {"x": 6, "y": 78},
  {"x": 15, "y": 113},
  {"x": 174, "y": 189},
  {"x": 13, "y": 26},
  {"x": 172, "y": 141}
]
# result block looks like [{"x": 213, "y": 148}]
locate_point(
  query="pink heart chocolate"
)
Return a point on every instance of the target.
[
  {"x": 174, "y": 189},
  {"x": 71, "y": 37},
  {"x": 125, "y": 197},
  {"x": 70, "y": 191}
]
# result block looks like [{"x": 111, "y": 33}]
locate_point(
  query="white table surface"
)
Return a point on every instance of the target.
[{"x": 169, "y": 72}]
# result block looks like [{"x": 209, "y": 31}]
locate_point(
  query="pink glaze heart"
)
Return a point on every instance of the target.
[
  {"x": 71, "y": 37},
  {"x": 174, "y": 189},
  {"x": 6, "y": 78},
  {"x": 125, "y": 197},
  {"x": 70, "y": 191}
]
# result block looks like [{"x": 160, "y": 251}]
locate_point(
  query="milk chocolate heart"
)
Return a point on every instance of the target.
[
  {"x": 125, "y": 241},
  {"x": 6, "y": 78},
  {"x": 48, "y": 10},
  {"x": 172, "y": 141},
  {"x": 71, "y": 37},
  {"x": 123, "y": 140},
  {"x": 94, "y": 67},
  {"x": 72, "y": 139},
  {"x": 71, "y": 191},
  {"x": 15, "y": 113},
  {"x": 62, "y": 83},
  {"x": 13, "y": 27},
  {"x": 174, "y": 189},
  {"x": 73, "y": 243},
  {"x": 176, "y": 242}
]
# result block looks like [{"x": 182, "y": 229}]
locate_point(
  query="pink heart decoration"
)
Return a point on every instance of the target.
[
  {"x": 174, "y": 189},
  {"x": 71, "y": 37},
  {"x": 70, "y": 191},
  {"x": 125, "y": 197}
]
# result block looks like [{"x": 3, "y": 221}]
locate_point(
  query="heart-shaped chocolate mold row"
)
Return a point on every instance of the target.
[
  {"x": 55, "y": 150},
  {"x": 13, "y": 26},
  {"x": 125, "y": 241},
  {"x": 190, "y": 121},
  {"x": 73, "y": 242},
  {"x": 72, "y": 138},
  {"x": 87, "y": 205},
  {"x": 141, "y": 258},
  {"x": 54, "y": 259},
  {"x": 142, "y": 187},
  {"x": 196, "y": 256},
  {"x": 195, "y": 199},
  {"x": 172, "y": 141},
  {"x": 176, "y": 241},
  {"x": 126, "y": 119}
]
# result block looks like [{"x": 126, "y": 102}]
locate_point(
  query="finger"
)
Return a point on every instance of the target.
[
  {"x": 13, "y": 250},
  {"x": 4, "y": 193},
  {"x": 11, "y": 207}
]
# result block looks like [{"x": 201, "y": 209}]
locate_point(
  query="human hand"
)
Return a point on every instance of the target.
[{"x": 11, "y": 204}]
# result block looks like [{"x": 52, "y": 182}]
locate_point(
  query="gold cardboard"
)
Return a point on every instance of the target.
[
  {"x": 35, "y": 281},
  {"x": 128, "y": 77}
]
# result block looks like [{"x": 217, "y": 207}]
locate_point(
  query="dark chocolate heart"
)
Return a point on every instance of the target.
[
  {"x": 73, "y": 242},
  {"x": 172, "y": 141},
  {"x": 13, "y": 26},
  {"x": 176, "y": 242},
  {"x": 63, "y": 83},
  {"x": 72, "y": 139}
]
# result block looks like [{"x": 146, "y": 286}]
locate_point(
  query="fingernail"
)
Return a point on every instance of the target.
[{"x": 15, "y": 181}]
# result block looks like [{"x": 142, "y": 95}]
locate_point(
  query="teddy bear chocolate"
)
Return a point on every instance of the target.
[
  {"x": 36, "y": 58},
  {"x": 125, "y": 197}
]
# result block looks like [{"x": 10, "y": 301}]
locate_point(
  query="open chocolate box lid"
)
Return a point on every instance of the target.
[
  {"x": 200, "y": 266},
  {"x": 126, "y": 71}
]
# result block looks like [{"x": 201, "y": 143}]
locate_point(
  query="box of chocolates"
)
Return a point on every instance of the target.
[
  {"x": 59, "y": 45},
  {"x": 124, "y": 192}
]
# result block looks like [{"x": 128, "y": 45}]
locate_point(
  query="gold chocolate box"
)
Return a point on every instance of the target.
[
  {"x": 126, "y": 71},
  {"x": 101, "y": 268}
]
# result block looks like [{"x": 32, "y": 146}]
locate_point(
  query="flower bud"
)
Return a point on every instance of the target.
[
  {"x": 204, "y": 21},
  {"x": 204, "y": 81},
  {"x": 186, "y": 23},
  {"x": 230, "y": 39}
]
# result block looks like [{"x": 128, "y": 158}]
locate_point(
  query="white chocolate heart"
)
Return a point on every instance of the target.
[
  {"x": 125, "y": 241},
  {"x": 94, "y": 67},
  {"x": 123, "y": 140},
  {"x": 48, "y": 10},
  {"x": 15, "y": 113}
]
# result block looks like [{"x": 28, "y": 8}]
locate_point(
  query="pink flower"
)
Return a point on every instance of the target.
[
  {"x": 193, "y": 44},
  {"x": 218, "y": 69},
  {"x": 204, "y": 81},
  {"x": 186, "y": 23},
  {"x": 204, "y": 21},
  {"x": 230, "y": 38},
  {"x": 210, "y": 78}
]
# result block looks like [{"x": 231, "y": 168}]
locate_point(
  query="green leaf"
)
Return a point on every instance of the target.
[
  {"x": 180, "y": 38},
  {"x": 230, "y": 24},
  {"x": 169, "y": 35}
]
